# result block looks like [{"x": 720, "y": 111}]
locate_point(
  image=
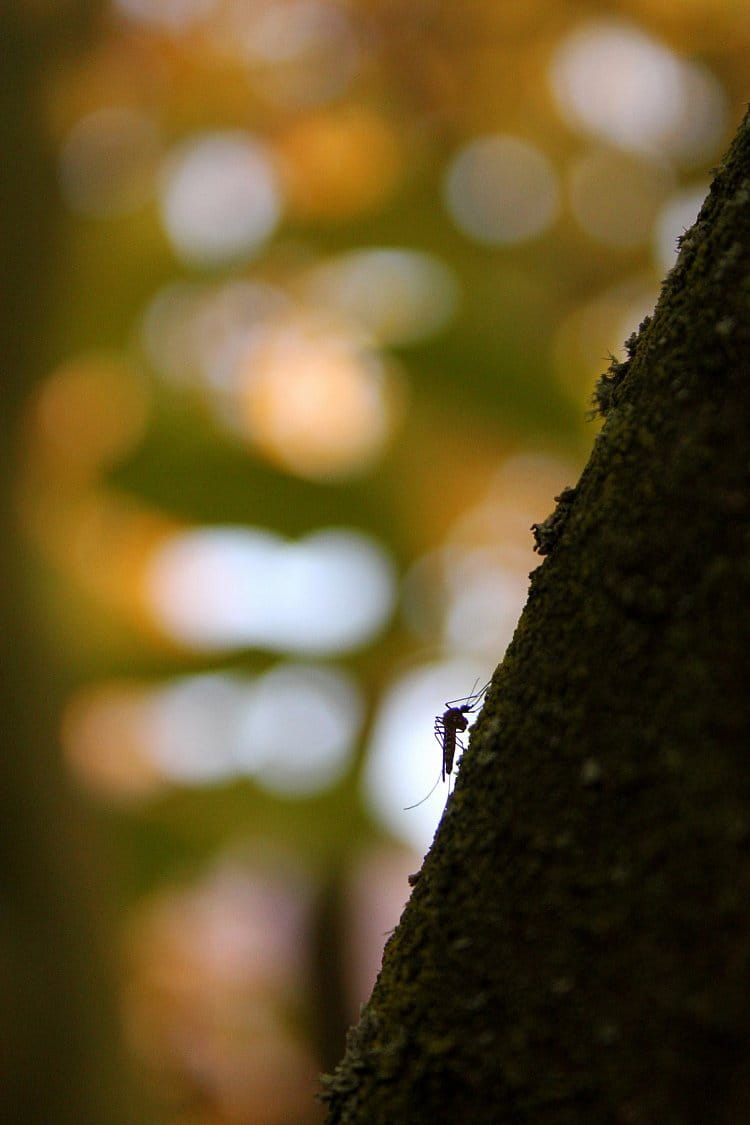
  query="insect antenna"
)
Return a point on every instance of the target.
[
  {"x": 418, "y": 803},
  {"x": 472, "y": 696},
  {"x": 463, "y": 698}
]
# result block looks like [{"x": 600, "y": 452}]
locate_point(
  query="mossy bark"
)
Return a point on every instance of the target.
[{"x": 577, "y": 947}]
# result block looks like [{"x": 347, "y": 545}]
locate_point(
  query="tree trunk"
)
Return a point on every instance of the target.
[
  {"x": 577, "y": 947},
  {"x": 59, "y": 1060}
]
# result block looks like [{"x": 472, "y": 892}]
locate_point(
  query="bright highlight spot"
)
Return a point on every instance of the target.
[
  {"x": 614, "y": 81},
  {"x": 230, "y": 588},
  {"x": 310, "y": 392},
  {"x": 404, "y": 758},
  {"x": 191, "y": 726},
  {"x": 108, "y": 162},
  {"x": 197, "y": 333},
  {"x": 500, "y": 190},
  {"x": 220, "y": 198},
  {"x": 298, "y": 731},
  {"x": 315, "y": 398},
  {"x": 399, "y": 296},
  {"x": 293, "y": 730}
]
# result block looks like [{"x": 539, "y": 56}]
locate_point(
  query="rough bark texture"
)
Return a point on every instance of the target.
[{"x": 577, "y": 947}]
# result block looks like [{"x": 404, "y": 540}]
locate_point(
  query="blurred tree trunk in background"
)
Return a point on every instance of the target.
[
  {"x": 577, "y": 947},
  {"x": 58, "y": 1059}
]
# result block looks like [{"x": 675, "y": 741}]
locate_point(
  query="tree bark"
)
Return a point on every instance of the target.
[{"x": 577, "y": 947}]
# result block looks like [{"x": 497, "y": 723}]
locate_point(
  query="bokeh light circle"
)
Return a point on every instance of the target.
[
  {"x": 293, "y": 729},
  {"x": 297, "y": 732},
  {"x": 224, "y": 588},
  {"x": 613, "y": 80},
  {"x": 399, "y": 296},
  {"x": 315, "y": 397},
  {"x": 500, "y": 189},
  {"x": 220, "y": 198}
]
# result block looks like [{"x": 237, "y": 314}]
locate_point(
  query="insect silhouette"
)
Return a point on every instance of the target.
[
  {"x": 452, "y": 722},
  {"x": 448, "y": 727}
]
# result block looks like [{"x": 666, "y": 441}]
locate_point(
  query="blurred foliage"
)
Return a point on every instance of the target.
[{"x": 326, "y": 265}]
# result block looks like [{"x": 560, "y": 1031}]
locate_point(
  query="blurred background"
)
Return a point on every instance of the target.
[{"x": 335, "y": 282}]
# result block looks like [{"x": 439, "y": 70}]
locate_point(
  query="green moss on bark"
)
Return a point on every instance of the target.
[{"x": 578, "y": 945}]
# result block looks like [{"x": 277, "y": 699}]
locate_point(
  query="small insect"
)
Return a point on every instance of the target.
[
  {"x": 448, "y": 726},
  {"x": 452, "y": 722}
]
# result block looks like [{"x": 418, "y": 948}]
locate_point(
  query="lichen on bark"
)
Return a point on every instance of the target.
[{"x": 577, "y": 947}]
